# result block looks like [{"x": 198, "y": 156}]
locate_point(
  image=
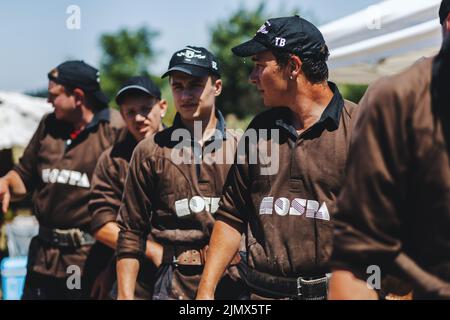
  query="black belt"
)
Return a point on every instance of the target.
[
  {"x": 68, "y": 238},
  {"x": 301, "y": 288}
]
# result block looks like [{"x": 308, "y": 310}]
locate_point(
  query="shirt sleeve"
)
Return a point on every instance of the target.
[
  {"x": 27, "y": 166},
  {"x": 135, "y": 211},
  {"x": 235, "y": 200},
  {"x": 106, "y": 192},
  {"x": 367, "y": 225}
]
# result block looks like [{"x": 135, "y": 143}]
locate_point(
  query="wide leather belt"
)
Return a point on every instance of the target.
[
  {"x": 191, "y": 257},
  {"x": 300, "y": 288},
  {"x": 185, "y": 256},
  {"x": 67, "y": 238}
]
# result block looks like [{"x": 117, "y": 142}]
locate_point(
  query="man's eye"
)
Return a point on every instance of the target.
[{"x": 146, "y": 110}]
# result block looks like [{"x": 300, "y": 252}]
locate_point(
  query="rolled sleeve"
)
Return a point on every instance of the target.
[
  {"x": 106, "y": 192},
  {"x": 235, "y": 200},
  {"x": 27, "y": 166},
  {"x": 135, "y": 211}
]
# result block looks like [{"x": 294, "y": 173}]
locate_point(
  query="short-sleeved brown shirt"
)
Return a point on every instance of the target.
[
  {"x": 58, "y": 169},
  {"x": 397, "y": 192},
  {"x": 287, "y": 213},
  {"x": 173, "y": 200}
]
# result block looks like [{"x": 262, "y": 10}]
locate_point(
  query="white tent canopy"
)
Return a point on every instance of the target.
[
  {"x": 19, "y": 117},
  {"x": 382, "y": 39}
]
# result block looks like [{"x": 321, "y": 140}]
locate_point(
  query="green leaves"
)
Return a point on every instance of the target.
[
  {"x": 125, "y": 54},
  {"x": 238, "y": 95}
]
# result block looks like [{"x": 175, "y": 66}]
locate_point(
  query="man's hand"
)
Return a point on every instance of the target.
[
  {"x": 345, "y": 286},
  {"x": 12, "y": 188},
  {"x": 5, "y": 194}
]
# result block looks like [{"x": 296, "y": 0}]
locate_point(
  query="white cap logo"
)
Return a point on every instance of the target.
[{"x": 191, "y": 53}]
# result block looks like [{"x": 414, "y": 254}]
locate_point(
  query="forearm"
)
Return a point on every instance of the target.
[
  {"x": 154, "y": 252},
  {"x": 16, "y": 186},
  {"x": 223, "y": 245},
  {"x": 108, "y": 234},
  {"x": 127, "y": 271},
  {"x": 345, "y": 286}
]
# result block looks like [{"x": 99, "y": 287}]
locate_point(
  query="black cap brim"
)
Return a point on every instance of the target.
[
  {"x": 192, "y": 70},
  {"x": 249, "y": 48},
  {"x": 131, "y": 87}
]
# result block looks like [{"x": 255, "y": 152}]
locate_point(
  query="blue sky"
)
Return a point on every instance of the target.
[{"x": 34, "y": 37}]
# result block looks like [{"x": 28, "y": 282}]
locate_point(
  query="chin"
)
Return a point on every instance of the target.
[
  {"x": 59, "y": 116},
  {"x": 189, "y": 116}
]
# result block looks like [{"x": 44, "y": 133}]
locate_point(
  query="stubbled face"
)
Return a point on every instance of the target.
[
  {"x": 142, "y": 115},
  {"x": 270, "y": 80},
  {"x": 194, "y": 97},
  {"x": 64, "y": 104}
]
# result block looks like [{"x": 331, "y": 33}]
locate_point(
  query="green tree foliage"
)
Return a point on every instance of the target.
[
  {"x": 126, "y": 53},
  {"x": 353, "y": 92},
  {"x": 238, "y": 95}
]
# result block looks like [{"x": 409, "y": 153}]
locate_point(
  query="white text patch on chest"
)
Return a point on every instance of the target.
[
  {"x": 63, "y": 176},
  {"x": 296, "y": 207}
]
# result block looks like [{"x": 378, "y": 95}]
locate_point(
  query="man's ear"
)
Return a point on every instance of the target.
[
  {"x": 447, "y": 24},
  {"x": 79, "y": 96},
  {"x": 217, "y": 87},
  {"x": 295, "y": 67},
  {"x": 163, "y": 106}
]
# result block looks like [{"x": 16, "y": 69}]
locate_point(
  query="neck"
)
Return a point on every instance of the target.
[
  {"x": 84, "y": 117},
  {"x": 208, "y": 125},
  {"x": 309, "y": 102}
]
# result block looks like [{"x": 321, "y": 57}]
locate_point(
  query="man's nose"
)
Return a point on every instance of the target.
[
  {"x": 140, "y": 117},
  {"x": 186, "y": 94}
]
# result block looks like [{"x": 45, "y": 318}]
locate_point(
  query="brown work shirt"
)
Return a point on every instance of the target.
[
  {"x": 287, "y": 210},
  {"x": 109, "y": 180},
  {"x": 173, "y": 188},
  {"x": 58, "y": 168},
  {"x": 108, "y": 183},
  {"x": 397, "y": 192}
]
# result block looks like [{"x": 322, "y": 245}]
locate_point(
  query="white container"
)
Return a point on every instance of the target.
[{"x": 13, "y": 271}]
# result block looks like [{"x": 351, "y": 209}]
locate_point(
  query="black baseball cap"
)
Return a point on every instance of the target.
[
  {"x": 290, "y": 34},
  {"x": 139, "y": 83},
  {"x": 78, "y": 74},
  {"x": 444, "y": 10},
  {"x": 196, "y": 61}
]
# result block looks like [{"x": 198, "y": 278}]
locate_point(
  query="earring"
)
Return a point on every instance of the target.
[{"x": 291, "y": 77}]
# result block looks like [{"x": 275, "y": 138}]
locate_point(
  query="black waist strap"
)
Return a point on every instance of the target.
[
  {"x": 68, "y": 238},
  {"x": 301, "y": 288}
]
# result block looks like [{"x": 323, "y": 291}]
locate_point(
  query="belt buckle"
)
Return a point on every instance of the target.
[
  {"x": 301, "y": 282},
  {"x": 175, "y": 261},
  {"x": 76, "y": 237},
  {"x": 55, "y": 237},
  {"x": 299, "y": 288}
]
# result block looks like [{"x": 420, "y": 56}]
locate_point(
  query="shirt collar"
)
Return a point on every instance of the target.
[
  {"x": 219, "y": 133},
  {"x": 329, "y": 119},
  {"x": 101, "y": 115}
]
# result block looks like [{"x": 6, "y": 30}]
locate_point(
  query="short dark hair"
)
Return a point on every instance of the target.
[
  {"x": 315, "y": 67},
  {"x": 91, "y": 101}
]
